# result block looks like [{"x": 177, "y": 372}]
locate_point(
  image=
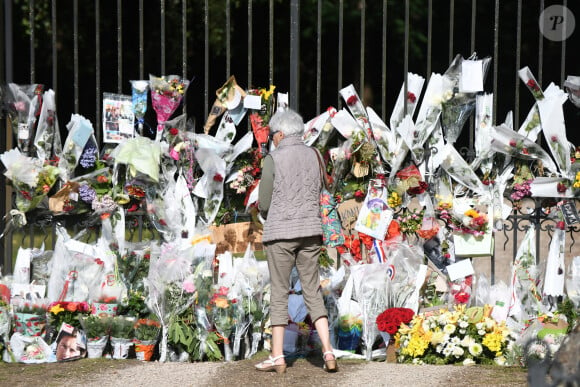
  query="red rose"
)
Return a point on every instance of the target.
[
  {"x": 411, "y": 97},
  {"x": 561, "y": 225},
  {"x": 462, "y": 297},
  {"x": 351, "y": 100},
  {"x": 72, "y": 306},
  {"x": 217, "y": 177},
  {"x": 561, "y": 187},
  {"x": 358, "y": 194},
  {"x": 173, "y": 131},
  {"x": 422, "y": 187},
  {"x": 513, "y": 143}
]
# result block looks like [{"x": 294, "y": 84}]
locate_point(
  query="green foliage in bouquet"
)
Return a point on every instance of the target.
[
  {"x": 122, "y": 327},
  {"x": 568, "y": 309},
  {"x": 134, "y": 305},
  {"x": 147, "y": 329},
  {"x": 324, "y": 259},
  {"x": 95, "y": 327}
]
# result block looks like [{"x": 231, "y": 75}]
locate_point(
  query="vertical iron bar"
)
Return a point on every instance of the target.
[
  {"x": 184, "y": 47},
  {"x": 271, "y": 42},
  {"x": 406, "y": 60},
  {"x": 119, "y": 46},
  {"x": 340, "y": 48},
  {"x": 518, "y": 66},
  {"x": 228, "y": 40},
  {"x": 162, "y": 35},
  {"x": 429, "y": 38},
  {"x": 250, "y": 42},
  {"x": 471, "y": 51},
  {"x": 451, "y": 28},
  {"x": 54, "y": 50},
  {"x": 362, "y": 48},
  {"x": 98, "y": 70},
  {"x": 294, "y": 54},
  {"x": 318, "y": 54},
  {"x": 76, "y": 55},
  {"x": 540, "y": 49},
  {"x": 206, "y": 59},
  {"x": 141, "y": 41},
  {"x": 384, "y": 64},
  {"x": 495, "y": 58},
  {"x": 32, "y": 38},
  {"x": 563, "y": 52}
]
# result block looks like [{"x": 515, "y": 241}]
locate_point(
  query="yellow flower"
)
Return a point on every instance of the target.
[
  {"x": 416, "y": 346},
  {"x": 221, "y": 302},
  {"x": 471, "y": 213},
  {"x": 493, "y": 341},
  {"x": 56, "y": 309},
  {"x": 437, "y": 337}
]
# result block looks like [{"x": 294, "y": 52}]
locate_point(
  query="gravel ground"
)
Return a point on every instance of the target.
[{"x": 305, "y": 372}]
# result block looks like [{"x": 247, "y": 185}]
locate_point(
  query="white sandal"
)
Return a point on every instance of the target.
[
  {"x": 270, "y": 365},
  {"x": 330, "y": 365}
]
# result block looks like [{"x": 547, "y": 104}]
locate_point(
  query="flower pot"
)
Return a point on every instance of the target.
[
  {"x": 103, "y": 309},
  {"x": 144, "y": 349},
  {"x": 28, "y": 324},
  {"x": 121, "y": 347},
  {"x": 95, "y": 347}
]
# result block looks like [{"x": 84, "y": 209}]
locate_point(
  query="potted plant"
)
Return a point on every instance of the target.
[
  {"x": 97, "y": 331},
  {"x": 29, "y": 318},
  {"x": 146, "y": 331},
  {"x": 121, "y": 336}
]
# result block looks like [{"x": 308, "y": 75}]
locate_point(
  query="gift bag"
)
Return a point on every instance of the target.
[
  {"x": 350, "y": 319},
  {"x": 331, "y": 226}
]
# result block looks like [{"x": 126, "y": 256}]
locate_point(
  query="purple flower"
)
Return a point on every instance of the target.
[{"x": 87, "y": 193}]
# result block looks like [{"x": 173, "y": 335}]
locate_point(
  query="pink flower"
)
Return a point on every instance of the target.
[
  {"x": 189, "y": 287},
  {"x": 554, "y": 139}
]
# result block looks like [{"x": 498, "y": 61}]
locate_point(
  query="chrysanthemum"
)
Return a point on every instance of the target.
[
  {"x": 449, "y": 329},
  {"x": 475, "y": 349}
]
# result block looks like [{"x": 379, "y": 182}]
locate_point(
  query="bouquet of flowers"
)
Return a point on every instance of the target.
[
  {"x": 47, "y": 139},
  {"x": 167, "y": 93},
  {"x": 24, "y": 107},
  {"x": 391, "y": 319},
  {"x": 261, "y": 118},
  {"x": 458, "y": 336},
  {"x": 60, "y": 312},
  {"x": 31, "y": 179},
  {"x": 221, "y": 310},
  {"x": 139, "y": 91}
]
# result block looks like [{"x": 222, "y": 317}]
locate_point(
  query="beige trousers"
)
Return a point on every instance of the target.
[{"x": 282, "y": 256}]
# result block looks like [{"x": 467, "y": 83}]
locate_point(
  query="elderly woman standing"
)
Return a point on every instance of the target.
[{"x": 289, "y": 201}]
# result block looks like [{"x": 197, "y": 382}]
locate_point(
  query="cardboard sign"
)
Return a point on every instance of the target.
[{"x": 348, "y": 212}]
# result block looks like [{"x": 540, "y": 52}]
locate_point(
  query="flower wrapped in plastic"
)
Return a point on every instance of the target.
[
  {"x": 554, "y": 130},
  {"x": 167, "y": 92},
  {"x": 529, "y": 80},
  {"x": 428, "y": 116},
  {"x": 32, "y": 180},
  {"x": 388, "y": 142},
  {"x": 228, "y": 96},
  {"x": 221, "y": 311},
  {"x": 459, "y": 170},
  {"x": 319, "y": 129},
  {"x": 371, "y": 284},
  {"x": 260, "y": 118},
  {"x": 572, "y": 86},
  {"x": 47, "y": 139},
  {"x": 139, "y": 92},
  {"x": 24, "y": 103},
  {"x": 458, "y": 101},
  {"x": 211, "y": 185},
  {"x": 170, "y": 287},
  {"x": 406, "y": 104},
  {"x": 80, "y": 146},
  {"x": 506, "y": 141},
  {"x": 406, "y": 274}
]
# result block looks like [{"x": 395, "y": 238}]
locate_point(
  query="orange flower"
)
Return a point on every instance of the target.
[{"x": 72, "y": 306}]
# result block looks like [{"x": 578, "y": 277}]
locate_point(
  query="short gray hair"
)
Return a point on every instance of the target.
[{"x": 288, "y": 122}]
